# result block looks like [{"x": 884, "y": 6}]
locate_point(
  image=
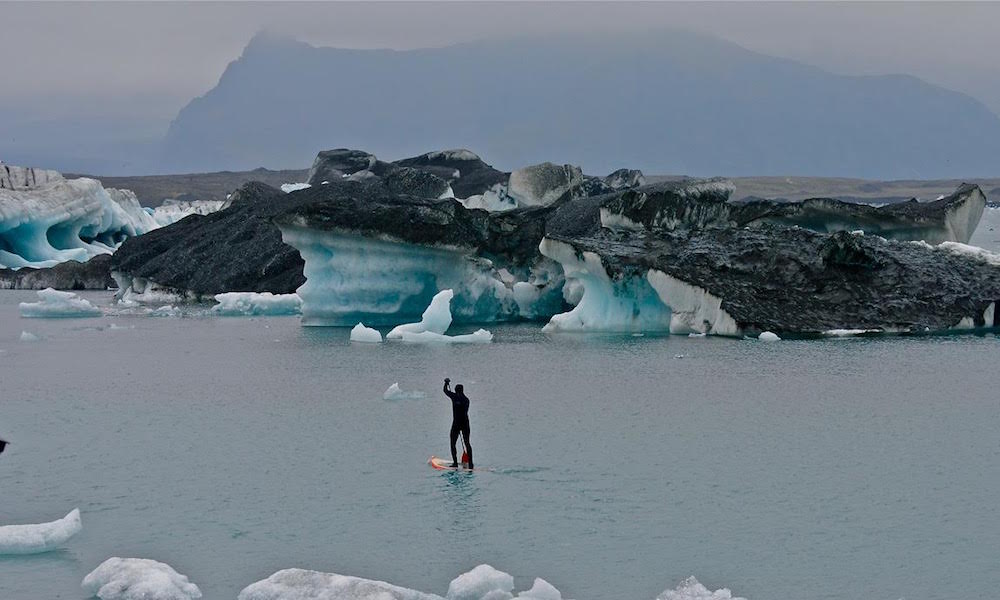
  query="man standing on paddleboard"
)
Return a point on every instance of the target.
[{"x": 459, "y": 419}]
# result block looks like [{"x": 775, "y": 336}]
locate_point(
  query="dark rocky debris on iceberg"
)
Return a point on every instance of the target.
[{"x": 373, "y": 240}]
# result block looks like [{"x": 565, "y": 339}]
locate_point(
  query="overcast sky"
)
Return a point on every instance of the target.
[{"x": 59, "y": 59}]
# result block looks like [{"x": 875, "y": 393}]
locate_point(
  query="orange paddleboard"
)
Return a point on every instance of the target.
[{"x": 444, "y": 464}]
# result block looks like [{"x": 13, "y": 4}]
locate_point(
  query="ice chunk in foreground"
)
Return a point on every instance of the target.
[
  {"x": 27, "y": 336},
  {"x": 360, "y": 333},
  {"x": 256, "y": 304},
  {"x": 436, "y": 318},
  {"x": 690, "y": 589},
  {"x": 167, "y": 311},
  {"x": 397, "y": 393},
  {"x": 768, "y": 336},
  {"x": 138, "y": 579},
  {"x": 300, "y": 584},
  {"x": 481, "y": 336},
  {"x": 482, "y": 583},
  {"x": 541, "y": 590},
  {"x": 294, "y": 187},
  {"x": 58, "y": 304},
  {"x": 43, "y": 537}
]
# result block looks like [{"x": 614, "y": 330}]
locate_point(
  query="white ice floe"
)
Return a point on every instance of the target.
[
  {"x": 848, "y": 332},
  {"x": 138, "y": 579},
  {"x": 482, "y": 582},
  {"x": 396, "y": 393},
  {"x": 300, "y": 584},
  {"x": 43, "y": 537},
  {"x": 367, "y": 335},
  {"x": 691, "y": 589},
  {"x": 480, "y": 336},
  {"x": 171, "y": 211},
  {"x": 768, "y": 336},
  {"x": 436, "y": 318},
  {"x": 294, "y": 187},
  {"x": 27, "y": 336},
  {"x": 167, "y": 311},
  {"x": 54, "y": 303},
  {"x": 541, "y": 590},
  {"x": 257, "y": 304}
]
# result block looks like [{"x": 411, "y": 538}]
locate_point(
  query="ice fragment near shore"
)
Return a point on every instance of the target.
[
  {"x": 257, "y": 304},
  {"x": 138, "y": 579},
  {"x": 480, "y": 336},
  {"x": 54, "y": 303},
  {"x": 42, "y": 537},
  {"x": 691, "y": 589},
  {"x": 300, "y": 584}
]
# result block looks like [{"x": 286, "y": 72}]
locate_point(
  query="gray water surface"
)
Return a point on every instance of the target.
[{"x": 234, "y": 447}]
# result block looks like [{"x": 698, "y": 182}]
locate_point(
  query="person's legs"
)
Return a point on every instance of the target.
[
  {"x": 468, "y": 444},
  {"x": 454, "y": 438}
]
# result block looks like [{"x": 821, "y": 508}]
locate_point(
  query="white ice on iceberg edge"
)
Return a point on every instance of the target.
[
  {"x": 294, "y": 187},
  {"x": 257, "y": 304},
  {"x": 397, "y": 393},
  {"x": 54, "y": 303},
  {"x": 480, "y": 336},
  {"x": 43, "y": 537},
  {"x": 138, "y": 579},
  {"x": 366, "y": 335},
  {"x": 436, "y": 318}
]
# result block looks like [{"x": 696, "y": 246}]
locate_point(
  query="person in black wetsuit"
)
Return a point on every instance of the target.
[{"x": 459, "y": 419}]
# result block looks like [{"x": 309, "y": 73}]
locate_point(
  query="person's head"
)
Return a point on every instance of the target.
[{"x": 460, "y": 389}]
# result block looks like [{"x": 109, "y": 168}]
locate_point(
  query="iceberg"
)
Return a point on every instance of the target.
[
  {"x": 54, "y": 303},
  {"x": 691, "y": 589},
  {"x": 367, "y": 335},
  {"x": 138, "y": 579},
  {"x": 480, "y": 336},
  {"x": 170, "y": 211},
  {"x": 43, "y": 537},
  {"x": 396, "y": 393},
  {"x": 257, "y": 304},
  {"x": 481, "y": 583},
  {"x": 27, "y": 336},
  {"x": 50, "y": 219},
  {"x": 768, "y": 336},
  {"x": 435, "y": 319}
]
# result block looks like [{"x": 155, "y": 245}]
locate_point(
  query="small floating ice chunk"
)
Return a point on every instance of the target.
[
  {"x": 54, "y": 303},
  {"x": 768, "y": 336},
  {"x": 300, "y": 584},
  {"x": 481, "y": 336},
  {"x": 257, "y": 304},
  {"x": 117, "y": 327},
  {"x": 360, "y": 333},
  {"x": 483, "y": 582},
  {"x": 27, "y": 336},
  {"x": 43, "y": 537},
  {"x": 435, "y": 319},
  {"x": 138, "y": 579},
  {"x": 294, "y": 187},
  {"x": 847, "y": 332},
  {"x": 396, "y": 393},
  {"x": 541, "y": 590},
  {"x": 690, "y": 589},
  {"x": 168, "y": 310}
]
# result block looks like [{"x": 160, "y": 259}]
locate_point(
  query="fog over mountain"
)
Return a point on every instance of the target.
[{"x": 666, "y": 101}]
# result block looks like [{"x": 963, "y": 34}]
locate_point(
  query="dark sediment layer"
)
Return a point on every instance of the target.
[{"x": 95, "y": 274}]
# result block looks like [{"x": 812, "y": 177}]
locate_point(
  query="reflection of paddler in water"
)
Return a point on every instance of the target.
[{"x": 459, "y": 422}]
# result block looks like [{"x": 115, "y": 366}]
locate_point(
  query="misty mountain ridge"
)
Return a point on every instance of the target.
[{"x": 663, "y": 101}]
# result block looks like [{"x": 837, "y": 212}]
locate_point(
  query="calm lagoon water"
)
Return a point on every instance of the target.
[{"x": 234, "y": 447}]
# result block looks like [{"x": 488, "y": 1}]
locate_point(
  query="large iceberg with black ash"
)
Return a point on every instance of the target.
[{"x": 46, "y": 219}]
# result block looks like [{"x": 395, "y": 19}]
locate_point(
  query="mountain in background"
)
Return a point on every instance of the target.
[{"x": 664, "y": 101}]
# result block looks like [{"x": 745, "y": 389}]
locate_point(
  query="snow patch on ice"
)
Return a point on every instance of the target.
[
  {"x": 606, "y": 304},
  {"x": 397, "y": 393},
  {"x": 171, "y": 211},
  {"x": 691, "y": 589},
  {"x": 294, "y": 187},
  {"x": 367, "y": 335},
  {"x": 257, "y": 304},
  {"x": 974, "y": 252},
  {"x": 43, "y": 537},
  {"x": 138, "y": 579},
  {"x": 55, "y": 303},
  {"x": 435, "y": 319},
  {"x": 495, "y": 199}
]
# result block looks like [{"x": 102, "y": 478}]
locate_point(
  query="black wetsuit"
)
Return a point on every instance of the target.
[{"x": 459, "y": 422}]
